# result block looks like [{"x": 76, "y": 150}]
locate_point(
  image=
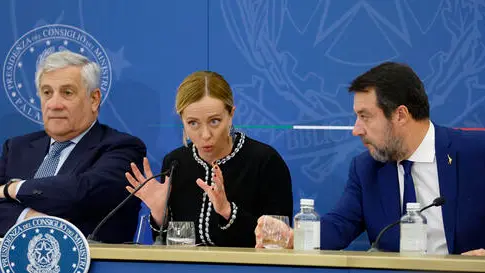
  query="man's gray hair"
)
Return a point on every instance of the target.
[{"x": 90, "y": 71}]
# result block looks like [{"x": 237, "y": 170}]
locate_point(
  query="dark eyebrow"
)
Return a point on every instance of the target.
[{"x": 363, "y": 112}]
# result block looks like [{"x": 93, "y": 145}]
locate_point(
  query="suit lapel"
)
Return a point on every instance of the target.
[
  {"x": 389, "y": 190},
  {"x": 446, "y": 163},
  {"x": 37, "y": 152},
  {"x": 89, "y": 141},
  {"x": 390, "y": 201}
]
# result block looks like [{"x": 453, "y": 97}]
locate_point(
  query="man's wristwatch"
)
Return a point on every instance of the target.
[{"x": 5, "y": 189}]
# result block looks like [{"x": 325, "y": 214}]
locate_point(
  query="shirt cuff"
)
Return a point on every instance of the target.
[
  {"x": 22, "y": 215},
  {"x": 19, "y": 184}
]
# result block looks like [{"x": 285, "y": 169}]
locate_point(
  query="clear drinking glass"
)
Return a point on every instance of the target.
[
  {"x": 181, "y": 233},
  {"x": 275, "y": 231}
]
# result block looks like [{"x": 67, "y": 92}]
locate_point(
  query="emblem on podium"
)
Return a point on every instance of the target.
[{"x": 44, "y": 245}]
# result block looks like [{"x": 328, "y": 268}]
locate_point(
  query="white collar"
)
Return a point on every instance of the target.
[{"x": 425, "y": 153}]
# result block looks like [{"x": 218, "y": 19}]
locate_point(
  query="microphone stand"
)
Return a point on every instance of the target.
[
  {"x": 92, "y": 237},
  {"x": 159, "y": 239}
]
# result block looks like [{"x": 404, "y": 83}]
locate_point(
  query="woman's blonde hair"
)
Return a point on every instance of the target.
[{"x": 200, "y": 84}]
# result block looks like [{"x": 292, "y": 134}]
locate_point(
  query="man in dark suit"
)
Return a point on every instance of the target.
[
  {"x": 393, "y": 123},
  {"x": 75, "y": 168}
]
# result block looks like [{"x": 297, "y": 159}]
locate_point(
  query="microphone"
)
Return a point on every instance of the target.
[
  {"x": 92, "y": 237},
  {"x": 437, "y": 202},
  {"x": 174, "y": 165},
  {"x": 159, "y": 239}
]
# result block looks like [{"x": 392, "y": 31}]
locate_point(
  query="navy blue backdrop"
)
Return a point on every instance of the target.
[{"x": 289, "y": 63}]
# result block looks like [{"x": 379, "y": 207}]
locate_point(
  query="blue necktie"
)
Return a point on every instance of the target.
[
  {"x": 409, "y": 195},
  {"x": 49, "y": 166}
]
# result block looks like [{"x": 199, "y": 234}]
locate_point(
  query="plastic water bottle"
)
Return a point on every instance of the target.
[
  {"x": 413, "y": 231},
  {"x": 307, "y": 227}
]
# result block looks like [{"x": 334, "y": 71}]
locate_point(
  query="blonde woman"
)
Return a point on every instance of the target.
[{"x": 225, "y": 180}]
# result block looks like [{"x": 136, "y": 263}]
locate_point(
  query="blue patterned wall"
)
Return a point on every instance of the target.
[{"x": 289, "y": 62}]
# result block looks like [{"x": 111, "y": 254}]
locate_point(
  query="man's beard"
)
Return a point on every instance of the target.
[{"x": 392, "y": 150}]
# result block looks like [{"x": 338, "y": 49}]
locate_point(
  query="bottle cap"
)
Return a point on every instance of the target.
[
  {"x": 413, "y": 206},
  {"x": 306, "y": 202}
]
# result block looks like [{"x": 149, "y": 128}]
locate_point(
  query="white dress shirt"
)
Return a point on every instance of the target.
[
  {"x": 426, "y": 183},
  {"x": 62, "y": 158}
]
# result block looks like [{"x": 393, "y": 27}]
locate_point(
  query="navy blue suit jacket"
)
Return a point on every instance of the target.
[
  {"x": 371, "y": 199},
  {"x": 89, "y": 184}
]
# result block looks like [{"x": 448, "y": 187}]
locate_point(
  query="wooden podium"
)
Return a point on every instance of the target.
[{"x": 134, "y": 258}]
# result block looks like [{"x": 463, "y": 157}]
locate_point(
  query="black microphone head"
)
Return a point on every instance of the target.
[{"x": 439, "y": 201}]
